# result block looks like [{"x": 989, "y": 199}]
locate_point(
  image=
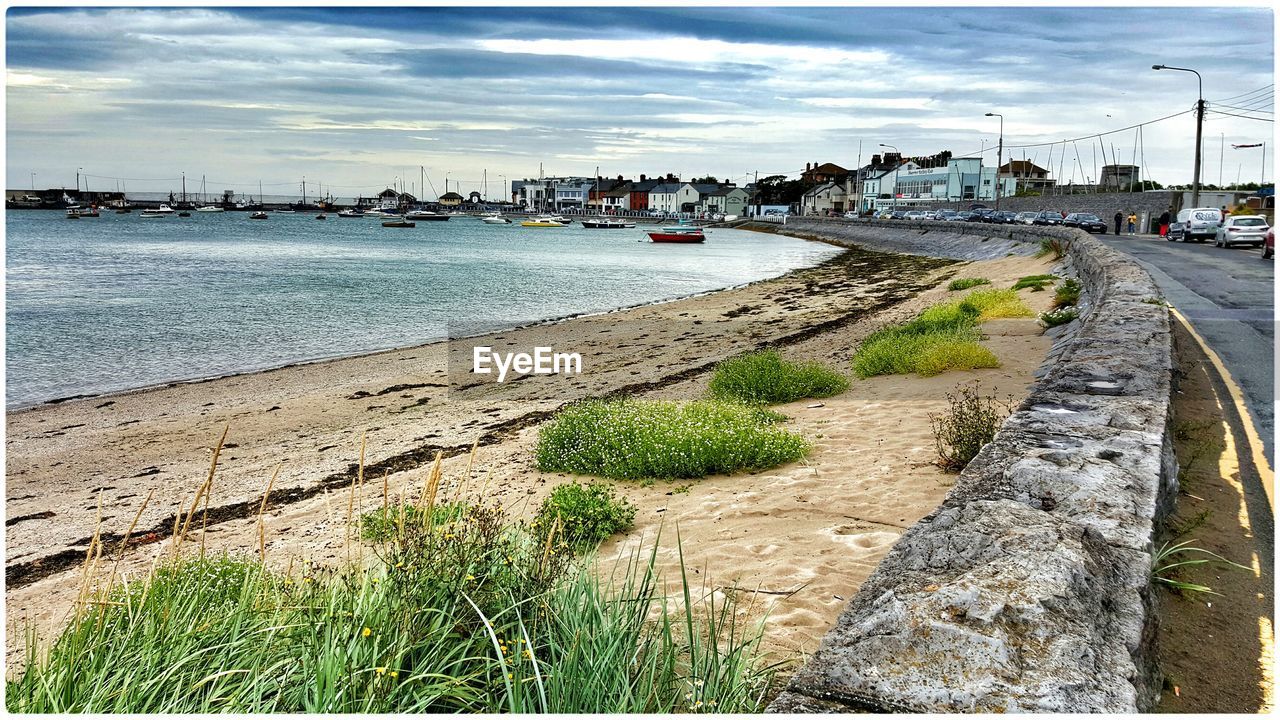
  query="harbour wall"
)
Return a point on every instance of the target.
[{"x": 1028, "y": 589}]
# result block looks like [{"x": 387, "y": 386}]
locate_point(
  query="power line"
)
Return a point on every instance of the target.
[
  {"x": 1245, "y": 117},
  {"x": 1264, "y": 88}
]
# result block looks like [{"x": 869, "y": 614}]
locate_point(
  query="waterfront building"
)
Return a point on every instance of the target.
[
  {"x": 824, "y": 173},
  {"x": 673, "y": 197},
  {"x": 909, "y": 185},
  {"x": 727, "y": 199},
  {"x": 824, "y": 199},
  {"x": 639, "y": 199},
  {"x": 1118, "y": 177},
  {"x": 1027, "y": 175},
  {"x": 618, "y": 198},
  {"x": 450, "y": 199}
]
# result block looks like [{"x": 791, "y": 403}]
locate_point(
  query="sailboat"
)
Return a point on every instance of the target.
[{"x": 206, "y": 207}]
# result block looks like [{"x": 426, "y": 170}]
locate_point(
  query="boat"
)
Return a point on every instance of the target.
[
  {"x": 164, "y": 209},
  {"x": 685, "y": 236},
  {"x": 425, "y": 215},
  {"x": 542, "y": 222},
  {"x": 73, "y": 214},
  {"x": 398, "y": 224},
  {"x": 606, "y": 223},
  {"x": 147, "y": 214},
  {"x": 561, "y": 219},
  {"x": 258, "y": 215},
  {"x": 496, "y": 220},
  {"x": 351, "y": 213},
  {"x": 322, "y": 216},
  {"x": 184, "y": 213},
  {"x": 210, "y": 208}
]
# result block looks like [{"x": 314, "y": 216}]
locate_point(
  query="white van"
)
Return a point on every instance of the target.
[{"x": 1195, "y": 224}]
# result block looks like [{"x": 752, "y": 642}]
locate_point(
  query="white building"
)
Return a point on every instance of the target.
[
  {"x": 910, "y": 185},
  {"x": 673, "y": 197},
  {"x": 824, "y": 198}
]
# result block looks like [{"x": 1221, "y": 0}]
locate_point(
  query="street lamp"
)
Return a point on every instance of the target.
[
  {"x": 1195, "y": 184},
  {"x": 999, "y": 153},
  {"x": 895, "y": 173},
  {"x": 33, "y": 183},
  {"x": 78, "y": 171}
]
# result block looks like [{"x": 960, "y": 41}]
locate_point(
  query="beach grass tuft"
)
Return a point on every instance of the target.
[
  {"x": 1034, "y": 282},
  {"x": 475, "y": 615},
  {"x": 941, "y": 338},
  {"x": 1067, "y": 294},
  {"x": 584, "y": 515},
  {"x": 966, "y": 283},
  {"x": 991, "y": 304},
  {"x": 765, "y": 377},
  {"x": 635, "y": 439}
]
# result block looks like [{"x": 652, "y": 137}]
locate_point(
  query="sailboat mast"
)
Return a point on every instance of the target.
[{"x": 184, "y": 188}]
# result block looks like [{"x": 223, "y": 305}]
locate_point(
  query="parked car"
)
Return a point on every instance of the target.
[
  {"x": 1269, "y": 244},
  {"x": 1195, "y": 224},
  {"x": 1026, "y": 218},
  {"x": 1241, "y": 229},
  {"x": 1004, "y": 217},
  {"x": 930, "y": 214},
  {"x": 851, "y": 215},
  {"x": 1048, "y": 217},
  {"x": 884, "y": 215},
  {"x": 1086, "y": 222},
  {"x": 972, "y": 216},
  {"x": 898, "y": 215},
  {"x": 914, "y": 215},
  {"x": 948, "y": 215}
]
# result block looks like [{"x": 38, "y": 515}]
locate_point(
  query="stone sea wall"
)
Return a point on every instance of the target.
[{"x": 1028, "y": 589}]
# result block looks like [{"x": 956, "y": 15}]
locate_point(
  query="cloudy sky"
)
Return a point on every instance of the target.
[{"x": 354, "y": 98}]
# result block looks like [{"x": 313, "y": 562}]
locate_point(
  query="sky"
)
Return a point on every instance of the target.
[{"x": 354, "y": 98}]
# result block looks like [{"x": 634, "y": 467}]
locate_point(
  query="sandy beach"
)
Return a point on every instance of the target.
[{"x": 805, "y": 535}]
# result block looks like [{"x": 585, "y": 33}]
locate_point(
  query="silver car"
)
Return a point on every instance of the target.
[
  {"x": 1025, "y": 218},
  {"x": 1241, "y": 229}
]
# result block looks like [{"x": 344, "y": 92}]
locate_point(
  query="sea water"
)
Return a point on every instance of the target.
[{"x": 119, "y": 302}]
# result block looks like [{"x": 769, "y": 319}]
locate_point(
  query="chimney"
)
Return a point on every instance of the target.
[
  {"x": 642, "y": 178},
  {"x": 806, "y": 167}
]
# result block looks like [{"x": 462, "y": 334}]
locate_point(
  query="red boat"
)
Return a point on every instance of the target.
[{"x": 688, "y": 236}]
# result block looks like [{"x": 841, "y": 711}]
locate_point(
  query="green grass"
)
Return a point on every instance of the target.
[
  {"x": 1068, "y": 293},
  {"x": 765, "y": 377},
  {"x": 943, "y": 337},
  {"x": 966, "y": 283},
  {"x": 634, "y": 439},
  {"x": 1052, "y": 247},
  {"x": 1035, "y": 282},
  {"x": 991, "y": 304},
  {"x": 585, "y": 515},
  {"x": 1054, "y": 318},
  {"x": 475, "y": 616},
  {"x": 382, "y": 525}
]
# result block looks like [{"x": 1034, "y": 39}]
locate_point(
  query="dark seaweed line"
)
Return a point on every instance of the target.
[{"x": 25, "y": 573}]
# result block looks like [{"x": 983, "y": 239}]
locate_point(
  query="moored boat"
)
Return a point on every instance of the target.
[
  {"x": 542, "y": 222},
  {"x": 398, "y": 224},
  {"x": 495, "y": 220},
  {"x": 679, "y": 236},
  {"x": 425, "y": 215},
  {"x": 351, "y": 213},
  {"x": 210, "y": 208},
  {"x": 606, "y": 223},
  {"x": 258, "y": 215},
  {"x": 322, "y": 216}
]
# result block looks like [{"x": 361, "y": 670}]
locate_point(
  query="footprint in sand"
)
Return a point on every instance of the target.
[{"x": 862, "y": 537}]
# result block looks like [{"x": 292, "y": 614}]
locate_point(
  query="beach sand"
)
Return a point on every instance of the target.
[{"x": 804, "y": 534}]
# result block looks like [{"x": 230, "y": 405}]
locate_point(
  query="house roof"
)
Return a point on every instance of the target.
[
  {"x": 825, "y": 187},
  {"x": 645, "y": 185},
  {"x": 1021, "y": 167},
  {"x": 668, "y": 187},
  {"x": 621, "y": 190},
  {"x": 828, "y": 169},
  {"x": 451, "y": 196},
  {"x": 726, "y": 191}
]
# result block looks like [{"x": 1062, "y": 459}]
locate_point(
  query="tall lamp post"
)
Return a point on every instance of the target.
[
  {"x": 1195, "y": 183},
  {"x": 999, "y": 153},
  {"x": 895, "y": 173}
]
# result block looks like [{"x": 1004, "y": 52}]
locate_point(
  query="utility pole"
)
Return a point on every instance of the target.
[
  {"x": 1195, "y": 183},
  {"x": 999, "y": 152}
]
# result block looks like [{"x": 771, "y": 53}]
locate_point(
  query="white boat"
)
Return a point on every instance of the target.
[
  {"x": 542, "y": 222},
  {"x": 210, "y": 208},
  {"x": 425, "y": 215},
  {"x": 154, "y": 214},
  {"x": 350, "y": 214},
  {"x": 606, "y": 223},
  {"x": 259, "y": 215},
  {"x": 164, "y": 209},
  {"x": 496, "y": 220}
]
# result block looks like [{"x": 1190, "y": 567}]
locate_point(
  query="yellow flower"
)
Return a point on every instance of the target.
[
  {"x": 471, "y": 577},
  {"x": 395, "y": 674},
  {"x": 367, "y": 632},
  {"x": 380, "y": 670}
]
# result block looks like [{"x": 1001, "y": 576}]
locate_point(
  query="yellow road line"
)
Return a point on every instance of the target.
[{"x": 1265, "y": 473}]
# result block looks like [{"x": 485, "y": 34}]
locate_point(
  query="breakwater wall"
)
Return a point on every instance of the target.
[{"x": 1028, "y": 589}]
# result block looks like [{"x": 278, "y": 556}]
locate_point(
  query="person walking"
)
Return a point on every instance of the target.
[
  {"x": 1164, "y": 223},
  {"x": 1133, "y": 223},
  {"x": 1118, "y": 218}
]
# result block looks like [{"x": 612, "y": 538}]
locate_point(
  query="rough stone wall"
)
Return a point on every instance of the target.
[
  {"x": 1104, "y": 205},
  {"x": 1028, "y": 589}
]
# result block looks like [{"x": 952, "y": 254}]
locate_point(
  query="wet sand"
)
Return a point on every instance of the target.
[{"x": 817, "y": 527}]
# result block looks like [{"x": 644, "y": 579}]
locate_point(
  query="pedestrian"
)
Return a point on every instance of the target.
[
  {"x": 1118, "y": 218},
  {"x": 1164, "y": 223},
  {"x": 1133, "y": 223}
]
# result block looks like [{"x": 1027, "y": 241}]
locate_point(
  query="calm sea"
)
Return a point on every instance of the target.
[{"x": 117, "y": 302}]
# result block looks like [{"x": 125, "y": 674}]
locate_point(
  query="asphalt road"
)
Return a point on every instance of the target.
[{"x": 1228, "y": 295}]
